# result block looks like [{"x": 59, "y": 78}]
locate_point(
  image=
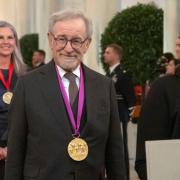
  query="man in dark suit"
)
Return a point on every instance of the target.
[
  {"x": 54, "y": 135},
  {"x": 124, "y": 91}
]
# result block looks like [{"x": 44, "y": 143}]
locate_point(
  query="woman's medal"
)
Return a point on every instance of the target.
[{"x": 7, "y": 96}]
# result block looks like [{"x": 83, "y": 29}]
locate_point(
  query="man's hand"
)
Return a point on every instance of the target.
[{"x": 3, "y": 153}]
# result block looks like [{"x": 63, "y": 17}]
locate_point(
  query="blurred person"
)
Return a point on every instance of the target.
[
  {"x": 166, "y": 64},
  {"x": 38, "y": 58},
  {"x": 125, "y": 94},
  {"x": 64, "y": 120},
  {"x": 170, "y": 67},
  {"x": 160, "y": 117},
  {"x": 11, "y": 66}
]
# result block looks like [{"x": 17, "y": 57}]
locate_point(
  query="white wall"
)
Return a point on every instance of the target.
[
  {"x": 14, "y": 12},
  {"x": 128, "y": 3}
]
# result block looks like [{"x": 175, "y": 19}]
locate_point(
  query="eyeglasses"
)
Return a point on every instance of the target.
[{"x": 62, "y": 41}]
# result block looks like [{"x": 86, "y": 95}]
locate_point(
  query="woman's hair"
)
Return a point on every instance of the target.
[
  {"x": 16, "y": 56},
  {"x": 69, "y": 14}
]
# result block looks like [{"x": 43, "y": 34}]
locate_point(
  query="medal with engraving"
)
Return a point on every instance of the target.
[
  {"x": 77, "y": 147},
  {"x": 7, "y": 96}
]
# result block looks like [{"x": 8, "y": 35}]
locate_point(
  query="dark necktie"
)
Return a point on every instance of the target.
[{"x": 73, "y": 89}]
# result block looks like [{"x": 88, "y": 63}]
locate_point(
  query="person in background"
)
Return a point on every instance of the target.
[
  {"x": 64, "y": 120},
  {"x": 170, "y": 67},
  {"x": 166, "y": 64},
  {"x": 11, "y": 67},
  {"x": 38, "y": 58},
  {"x": 160, "y": 116},
  {"x": 125, "y": 94}
]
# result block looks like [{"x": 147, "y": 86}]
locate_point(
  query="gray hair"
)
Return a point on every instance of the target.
[
  {"x": 16, "y": 56},
  {"x": 71, "y": 14}
]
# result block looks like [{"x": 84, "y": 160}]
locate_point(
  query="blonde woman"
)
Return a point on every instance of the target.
[{"x": 11, "y": 66}]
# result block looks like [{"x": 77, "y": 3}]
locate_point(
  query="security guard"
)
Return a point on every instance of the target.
[{"x": 124, "y": 91}]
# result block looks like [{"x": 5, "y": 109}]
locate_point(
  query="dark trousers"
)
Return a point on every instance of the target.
[
  {"x": 2, "y": 166},
  {"x": 124, "y": 119},
  {"x": 125, "y": 142}
]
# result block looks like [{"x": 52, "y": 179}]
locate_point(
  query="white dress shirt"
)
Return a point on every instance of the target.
[
  {"x": 111, "y": 68},
  {"x": 65, "y": 81}
]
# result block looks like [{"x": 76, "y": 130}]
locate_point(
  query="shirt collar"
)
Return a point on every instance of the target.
[
  {"x": 62, "y": 72},
  {"x": 111, "y": 68}
]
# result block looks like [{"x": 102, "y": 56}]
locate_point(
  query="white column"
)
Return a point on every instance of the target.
[
  {"x": 170, "y": 25},
  {"x": 31, "y": 16},
  {"x": 42, "y": 11},
  {"x": 15, "y": 12},
  {"x": 178, "y": 18},
  {"x": 101, "y": 12},
  {"x": 75, "y": 4}
]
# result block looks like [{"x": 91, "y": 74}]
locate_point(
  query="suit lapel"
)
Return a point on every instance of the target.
[
  {"x": 52, "y": 94},
  {"x": 49, "y": 85}
]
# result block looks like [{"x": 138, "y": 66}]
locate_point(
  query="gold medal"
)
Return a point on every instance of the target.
[
  {"x": 7, "y": 96},
  {"x": 78, "y": 149}
]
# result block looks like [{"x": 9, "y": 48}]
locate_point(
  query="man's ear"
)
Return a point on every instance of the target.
[
  {"x": 87, "y": 44},
  {"x": 50, "y": 40}
]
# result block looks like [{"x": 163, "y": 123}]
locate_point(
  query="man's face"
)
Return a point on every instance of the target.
[
  {"x": 68, "y": 57},
  {"x": 178, "y": 48},
  {"x": 110, "y": 56},
  {"x": 37, "y": 58}
]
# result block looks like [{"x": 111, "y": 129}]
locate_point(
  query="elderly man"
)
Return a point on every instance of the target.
[{"x": 64, "y": 121}]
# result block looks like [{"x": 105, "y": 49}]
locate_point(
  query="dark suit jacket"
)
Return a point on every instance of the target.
[
  {"x": 160, "y": 118},
  {"x": 4, "y": 108},
  {"x": 40, "y": 130},
  {"x": 124, "y": 91}
]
